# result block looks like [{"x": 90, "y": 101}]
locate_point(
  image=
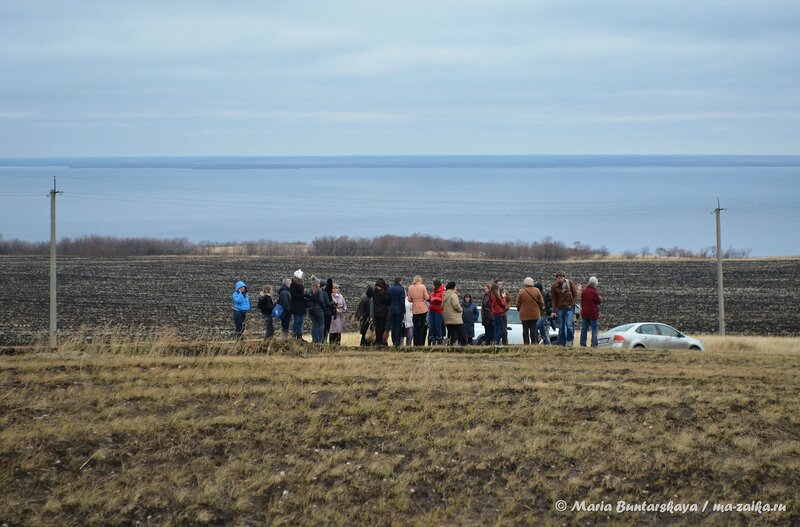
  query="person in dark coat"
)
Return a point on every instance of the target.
[
  {"x": 265, "y": 305},
  {"x": 328, "y": 290},
  {"x": 486, "y": 314},
  {"x": 380, "y": 303},
  {"x": 545, "y": 322},
  {"x": 590, "y": 311},
  {"x": 364, "y": 314},
  {"x": 285, "y": 300},
  {"x": 316, "y": 311},
  {"x": 397, "y": 308},
  {"x": 298, "y": 304},
  {"x": 469, "y": 314}
]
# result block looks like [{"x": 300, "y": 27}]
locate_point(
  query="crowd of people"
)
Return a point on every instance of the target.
[{"x": 419, "y": 316}]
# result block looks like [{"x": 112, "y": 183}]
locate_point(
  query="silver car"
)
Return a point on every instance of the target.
[
  {"x": 514, "y": 330},
  {"x": 647, "y": 335}
]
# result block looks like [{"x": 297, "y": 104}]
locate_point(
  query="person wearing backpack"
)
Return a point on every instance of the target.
[
  {"x": 266, "y": 304},
  {"x": 529, "y": 303}
]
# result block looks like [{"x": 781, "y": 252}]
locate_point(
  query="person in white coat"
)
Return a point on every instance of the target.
[
  {"x": 408, "y": 323},
  {"x": 339, "y": 320}
]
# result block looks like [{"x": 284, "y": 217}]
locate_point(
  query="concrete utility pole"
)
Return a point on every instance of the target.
[
  {"x": 720, "y": 294},
  {"x": 53, "y": 281}
]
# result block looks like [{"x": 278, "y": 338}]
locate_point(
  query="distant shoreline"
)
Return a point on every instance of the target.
[{"x": 411, "y": 161}]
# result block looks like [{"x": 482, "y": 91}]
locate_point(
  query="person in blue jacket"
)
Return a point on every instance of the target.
[
  {"x": 241, "y": 305},
  {"x": 397, "y": 308}
]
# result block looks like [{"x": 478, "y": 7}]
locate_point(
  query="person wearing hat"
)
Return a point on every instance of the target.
[
  {"x": 241, "y": 305},
  {"x": 285, "y": 300},
  {"x": 590, "y": 309},
  {"x": 564, "y": 293},
  {"x": 530, "y": 304},
  {"x": 453, "y": 315},
  {"x": 469, "y": 314}
]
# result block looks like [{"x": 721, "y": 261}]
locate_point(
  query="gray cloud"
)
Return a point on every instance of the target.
[{"x": 100, "y": 78}]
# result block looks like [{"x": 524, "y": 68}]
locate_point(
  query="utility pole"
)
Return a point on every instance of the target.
[
  {"x": 53, "y": 281},
  {"x": 720, "y": 294}
]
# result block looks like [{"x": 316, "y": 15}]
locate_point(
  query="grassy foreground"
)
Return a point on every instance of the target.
[{"x": 256, "y": 434}]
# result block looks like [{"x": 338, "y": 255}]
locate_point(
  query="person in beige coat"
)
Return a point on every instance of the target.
[
  {"x": 418, "y": 296},
  {"x": 452, "y": 315},
  {"x": 530, "y": 304}
]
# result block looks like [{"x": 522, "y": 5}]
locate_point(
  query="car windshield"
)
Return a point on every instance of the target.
[{"x": 621, "y": 329}]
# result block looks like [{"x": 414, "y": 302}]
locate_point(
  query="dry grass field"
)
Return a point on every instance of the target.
[{"x": 171, "y": 432}]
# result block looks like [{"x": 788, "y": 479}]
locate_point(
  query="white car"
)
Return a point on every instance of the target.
[
  {"x": 647, "y": 335},
  {"x": 514, "y": 330}
]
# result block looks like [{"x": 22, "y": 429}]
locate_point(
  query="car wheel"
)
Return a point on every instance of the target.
[
  {"x": 481, "y": 341},
  {"x": 639, "y": 347},
  {"x": 695, "y": 348}
]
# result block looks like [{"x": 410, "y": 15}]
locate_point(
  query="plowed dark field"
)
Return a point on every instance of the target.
[{"x": 193, "y": 294}]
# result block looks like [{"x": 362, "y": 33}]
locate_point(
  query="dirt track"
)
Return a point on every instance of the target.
[{"x": 192, "y": 294}]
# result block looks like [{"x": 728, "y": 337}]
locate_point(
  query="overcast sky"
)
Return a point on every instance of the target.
[{"x": 105, "y": 78}]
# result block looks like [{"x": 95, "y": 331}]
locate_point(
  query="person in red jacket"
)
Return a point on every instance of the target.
[
  {"x": 590, "y": 311},
  {"x": 499, "y": 307},
  {"x": 436, "y": 314}
]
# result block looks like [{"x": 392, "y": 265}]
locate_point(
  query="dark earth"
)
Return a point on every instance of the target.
[{"x": 192, "y": 294}]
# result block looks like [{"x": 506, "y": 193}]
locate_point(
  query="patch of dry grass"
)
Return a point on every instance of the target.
[{"x": 301, "y": 435}]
